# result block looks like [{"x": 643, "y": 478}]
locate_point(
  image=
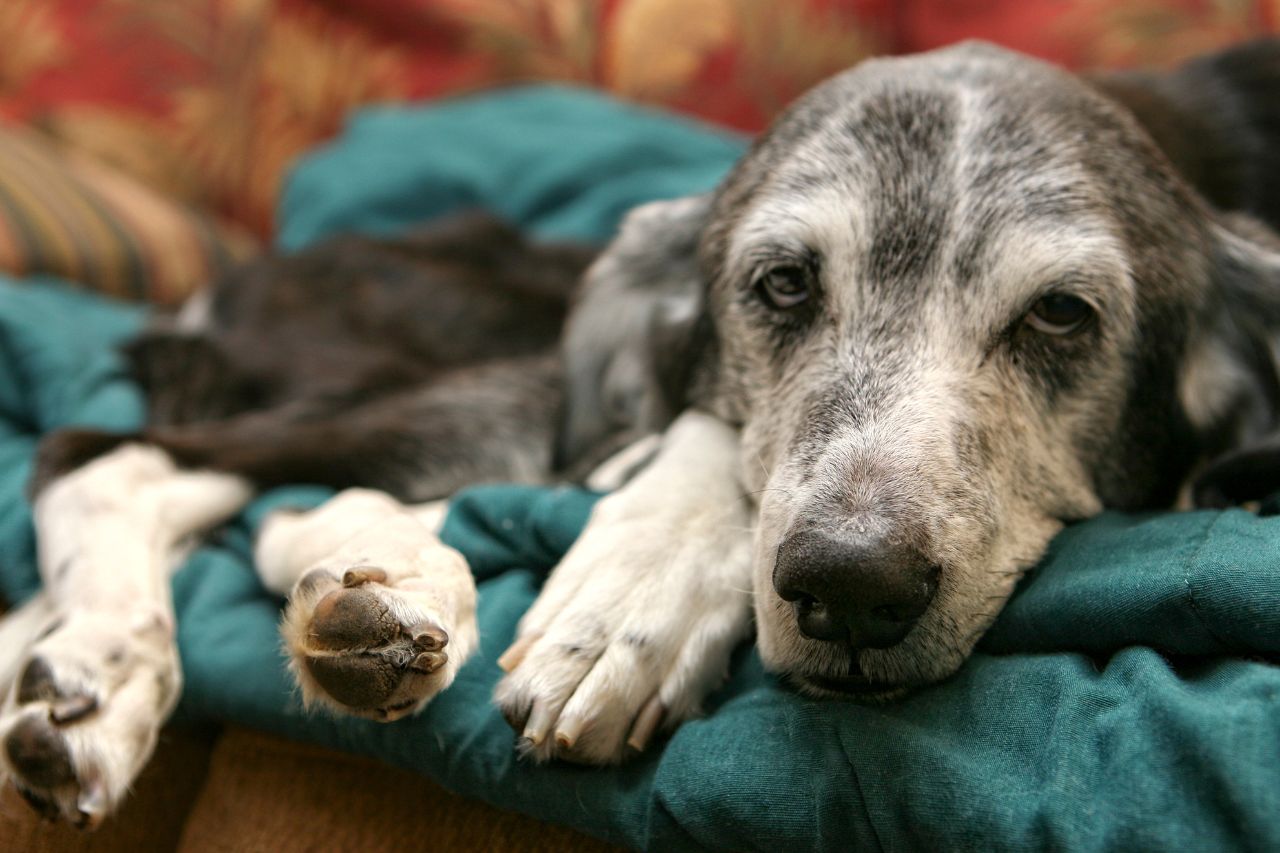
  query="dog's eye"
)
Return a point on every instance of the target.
[
  {"x": 784, "y": 287},
  {"x": 1060, "y": 314}
]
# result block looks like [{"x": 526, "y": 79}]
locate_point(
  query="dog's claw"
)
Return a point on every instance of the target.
[
  {"x": 73, "y": 708},
  {"x": 568, "y": 730},
  {"x": 428, "y": 662},
  {"x": 359, "y": 577},
  {"x": 541, "y": 718},
  {"x": 91, "y": 805},
  {"x": 647, "y": 722},
  {"x": 515, "y": 653},
  {"x": 431, "y": 638}
]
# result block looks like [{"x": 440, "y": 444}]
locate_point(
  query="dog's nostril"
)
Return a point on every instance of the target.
[
  {"x": 817, "y": 622},
  {"x": 890, "y": 613},
  {"x": 866, "y": 591}
]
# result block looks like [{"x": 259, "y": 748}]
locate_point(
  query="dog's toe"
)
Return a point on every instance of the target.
[
  {"x": 38, "y": 684},
  {"x": 581, "y": 703}
]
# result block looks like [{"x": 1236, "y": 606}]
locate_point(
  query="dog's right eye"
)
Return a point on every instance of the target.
[{"x": 784, "y": 287}]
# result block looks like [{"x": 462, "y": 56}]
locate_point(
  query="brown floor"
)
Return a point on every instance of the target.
[{"x": 246, "y": 792}]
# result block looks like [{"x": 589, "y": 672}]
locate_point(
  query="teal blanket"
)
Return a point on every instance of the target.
[{"x": 1126, "y": 699}]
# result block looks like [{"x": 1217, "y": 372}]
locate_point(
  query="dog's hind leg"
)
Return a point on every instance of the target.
[
  {"x": 90, "y": 694},
  {"x": 381, "y": 614},
  {"x": 483, "y": 424}
]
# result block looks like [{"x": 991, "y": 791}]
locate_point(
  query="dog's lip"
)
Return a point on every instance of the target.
[
  {"x": 851, "y": 683},
  {"x": 856, "y": 685}
]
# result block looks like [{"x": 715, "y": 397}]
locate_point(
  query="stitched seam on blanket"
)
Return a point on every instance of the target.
[
  {"x": 1194, "y": 560},
  {"x": 866, "y": 808}
]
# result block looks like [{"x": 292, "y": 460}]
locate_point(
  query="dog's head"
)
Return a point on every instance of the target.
[{"x": 955, "y": 301}]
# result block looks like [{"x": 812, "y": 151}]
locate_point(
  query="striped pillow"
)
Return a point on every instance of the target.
[{"x": 66, "y": 215}]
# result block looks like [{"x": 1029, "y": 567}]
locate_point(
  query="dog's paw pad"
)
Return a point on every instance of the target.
[
  {"x": 38, "y": 752},
  {"x": 352, "y": 619},
  {"x": 363, "y": 647}
]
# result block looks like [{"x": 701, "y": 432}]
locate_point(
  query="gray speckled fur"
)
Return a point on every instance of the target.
[{"x": 940, "y": 195}]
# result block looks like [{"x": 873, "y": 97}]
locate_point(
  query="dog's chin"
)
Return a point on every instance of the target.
[
  {"x": 856, "y": 687},
  {"x": 826, "y": 671}
]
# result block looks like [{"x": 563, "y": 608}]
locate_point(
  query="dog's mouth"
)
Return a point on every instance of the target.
[
  {"x": 856, "y": 687},
  {"x": 850, "y": 685}
]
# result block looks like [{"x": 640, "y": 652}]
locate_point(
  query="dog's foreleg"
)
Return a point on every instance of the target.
[
  {"x": 636, "y": 624},
  {"x": 89, "y": 696},
  {"x": 381, "y": 613}
]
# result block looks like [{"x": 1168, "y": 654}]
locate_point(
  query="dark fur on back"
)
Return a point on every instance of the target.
[
  {"x": 359, "y": 317},
  {"x": 1217, "y": 119},
  {"x": 415, "y": 365}
]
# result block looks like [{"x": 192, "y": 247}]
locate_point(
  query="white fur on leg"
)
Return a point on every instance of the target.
[
  {"x": 292, "y": 542},
  {"x": 18, "y": 629},
  {"x": 615, "y": 471},
  {"x": 638, "y": 621},
  {"x": 431, "y": 515},
  {"x": 376, "y": 597},
  {"x": 88, "y": 698}
]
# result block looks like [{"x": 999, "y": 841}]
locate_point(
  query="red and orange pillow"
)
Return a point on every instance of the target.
[{"x": 68, "y": 215}]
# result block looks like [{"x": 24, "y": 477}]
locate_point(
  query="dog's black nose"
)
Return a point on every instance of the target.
[{"x": 864, "y": 590}]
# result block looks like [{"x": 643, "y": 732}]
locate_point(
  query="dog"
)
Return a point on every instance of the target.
[
  {"x": 407, "y": 367},
  {"x": 946, "y": 305}
]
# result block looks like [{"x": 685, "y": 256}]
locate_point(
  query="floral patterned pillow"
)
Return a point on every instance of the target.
[{"x": 211, "y": 100}]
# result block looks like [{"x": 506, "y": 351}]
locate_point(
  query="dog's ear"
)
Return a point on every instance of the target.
[
  {"x": 1232, "y": 382},
  {"x": 635, "y": 331}
]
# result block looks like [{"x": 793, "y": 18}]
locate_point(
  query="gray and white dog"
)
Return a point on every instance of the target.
[{"x": 948, "y": 304}]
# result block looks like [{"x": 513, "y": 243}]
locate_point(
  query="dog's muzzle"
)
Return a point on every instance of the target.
[{"x": 861, "y": 589}]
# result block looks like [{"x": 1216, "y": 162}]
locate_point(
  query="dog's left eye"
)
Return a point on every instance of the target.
[
  {"x": 1060, "y": 314},
  {"x": 784, "y": 287}
]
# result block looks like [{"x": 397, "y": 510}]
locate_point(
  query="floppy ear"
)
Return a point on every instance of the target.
[
  {"x": 636, "y": 332},
  {"x": 1232, "y": 384}
]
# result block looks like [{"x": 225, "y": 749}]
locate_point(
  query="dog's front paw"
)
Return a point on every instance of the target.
[
  {"x": 381, "y": 625},
  {"x": 632, "y": 631},
  {"x": 84, "y": 713}
]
